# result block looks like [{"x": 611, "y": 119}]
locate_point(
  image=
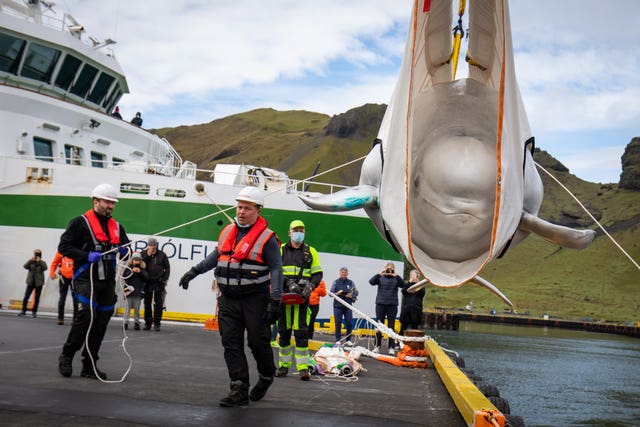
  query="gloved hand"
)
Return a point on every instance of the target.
[
  {"x": 306, "y": 291},
  {"x": 123, "y": 250},
  {"x": 94, "y": 257},
  {"x": 272, "y": 314},
  {"x": 187, "y": 277}
]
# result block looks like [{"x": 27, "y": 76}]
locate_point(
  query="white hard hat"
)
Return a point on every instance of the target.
[
  {"x": 105, "y": 192},
  {"x": 251, "y": 195}
]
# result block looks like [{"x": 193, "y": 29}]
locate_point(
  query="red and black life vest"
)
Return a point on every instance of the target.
[
  {"x": 102, "y": 242},
  {"x": 241, "y": 263}
]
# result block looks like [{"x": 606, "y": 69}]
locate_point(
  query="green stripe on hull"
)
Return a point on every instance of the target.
[{"x": 327, "y": 233}]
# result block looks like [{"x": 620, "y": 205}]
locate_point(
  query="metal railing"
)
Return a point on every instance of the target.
[{"x": 188, "y": 171}]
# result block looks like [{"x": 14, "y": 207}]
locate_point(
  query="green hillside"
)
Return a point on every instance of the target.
[{"x": 598, "y": 282}]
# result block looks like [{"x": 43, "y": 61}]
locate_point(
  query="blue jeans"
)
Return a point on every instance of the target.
[{"x": 338, "y": 314}]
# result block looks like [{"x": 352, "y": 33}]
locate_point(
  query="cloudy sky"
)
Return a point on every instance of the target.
[{"x": 193, "y": 61}]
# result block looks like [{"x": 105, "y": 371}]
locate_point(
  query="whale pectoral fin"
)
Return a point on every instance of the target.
[
  {"x": 361, "y": 196},
  {"x": 557, "y": 234},
  {"x": 486, "y": 284},
  {"x": 417, "y": 286}
]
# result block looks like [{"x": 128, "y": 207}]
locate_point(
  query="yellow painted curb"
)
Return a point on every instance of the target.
[{"x": 471, "y": 403}]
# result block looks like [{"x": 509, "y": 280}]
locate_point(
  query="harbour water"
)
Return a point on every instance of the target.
[{"x": 554, "y": 377}]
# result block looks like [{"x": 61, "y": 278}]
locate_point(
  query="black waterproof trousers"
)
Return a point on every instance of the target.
[
  {"x": 103, "y": 301},
  {"x": 235, "y": 315}
]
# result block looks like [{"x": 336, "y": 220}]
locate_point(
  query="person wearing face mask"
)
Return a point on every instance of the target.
[
  {"x": 302, "y": 274},
  {"x": 248, "y": 271}
]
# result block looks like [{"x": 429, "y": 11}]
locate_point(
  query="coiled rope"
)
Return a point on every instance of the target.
[{"x": 120, "y": 276}]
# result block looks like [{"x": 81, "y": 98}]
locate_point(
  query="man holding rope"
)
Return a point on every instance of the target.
[{"x": 90, "y": 240}]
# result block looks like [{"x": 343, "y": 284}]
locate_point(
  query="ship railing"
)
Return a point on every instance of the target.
[
  {"x": 273, "y": 183},
  {"x": 189, "y": 171},
  {"x": 66, "y": 24},
  {"x": 164, "y": 154}
]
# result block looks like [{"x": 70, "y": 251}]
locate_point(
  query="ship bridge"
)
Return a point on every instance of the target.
[{"x": 58, "y": 87}]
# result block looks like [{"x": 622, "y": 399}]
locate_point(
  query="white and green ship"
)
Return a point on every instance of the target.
[{"x": 59, "y": 140}]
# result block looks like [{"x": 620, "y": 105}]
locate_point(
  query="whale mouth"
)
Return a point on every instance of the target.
[{"x": 451, "y": 197}]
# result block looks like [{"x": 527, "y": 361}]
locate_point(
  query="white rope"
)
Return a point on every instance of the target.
[
  {"x": 224, "y": 211},
  {"x": 119, "y": 276},
  {"x": 379, "y": 326},
  {"x": 219, "y": 208},
  {"x": 336, "y": 168},
  {"x": 589, "y": 213}
]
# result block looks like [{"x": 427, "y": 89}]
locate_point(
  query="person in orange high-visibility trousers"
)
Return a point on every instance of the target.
[
  {"x": 302, "y": 274},
  {"x": 65, "y": 266}
]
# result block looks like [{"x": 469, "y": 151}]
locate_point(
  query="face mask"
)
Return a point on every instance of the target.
[
  {"x": 235, "y": 218},
  {"x": 297, "y": 237}
]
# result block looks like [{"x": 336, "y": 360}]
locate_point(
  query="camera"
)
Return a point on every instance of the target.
[{"x": 389, "y": 270}]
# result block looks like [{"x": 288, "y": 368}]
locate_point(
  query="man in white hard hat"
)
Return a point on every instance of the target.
[
  {"x": 91, "y": 241},
  {"x": 248, "y": 270}
]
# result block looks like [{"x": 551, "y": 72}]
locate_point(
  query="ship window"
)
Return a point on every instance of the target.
[
  {"x": 73, "y": 154},
  {"x": 39, "y": 62},
  {"x": 168, "y": 192},
  {"x": 82, "y": 85},
  {"x": 100, "y": 89},
  {"x": 116, "y": 161},
  {"x": 43, "y": 149},
  {"x": 67, "y": 72},
  {"x": 134, "y": 188},
  {"x": 111, "y": 101},
  {"x": 97, "y": 159},
  {"x": 11, "y": 49}
]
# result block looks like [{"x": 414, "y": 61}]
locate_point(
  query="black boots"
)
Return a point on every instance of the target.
[
  {"x": 260, "y": 389},
  {"x": 65, "y": 368},
  {"x": 88, "y": 372},
  {"x": 64, "y": 365},
  {"x": 238, "y": 396}
]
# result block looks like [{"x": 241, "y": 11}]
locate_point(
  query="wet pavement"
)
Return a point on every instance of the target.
[{"x": 178, "y": 376}]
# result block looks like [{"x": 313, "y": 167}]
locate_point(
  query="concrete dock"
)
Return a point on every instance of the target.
[{"x": 178, "y": 376}]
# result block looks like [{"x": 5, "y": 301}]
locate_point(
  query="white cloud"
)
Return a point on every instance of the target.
[
  {"x": 596, "y": 164},
  {"x": 193, "y": 61},
  {"x": 176, "y": 49}
]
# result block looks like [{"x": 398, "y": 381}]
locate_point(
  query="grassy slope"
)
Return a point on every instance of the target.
[{"x": 598, "y": 282}]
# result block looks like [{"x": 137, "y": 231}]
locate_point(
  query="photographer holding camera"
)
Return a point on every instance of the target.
[
  {"x": 302, "y": 274},
  {"x": 388, "y": 283},
  {"x": 35, "y": 281}
]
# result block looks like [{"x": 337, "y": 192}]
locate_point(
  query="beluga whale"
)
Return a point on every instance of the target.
[{"x": 450, "y": 181}]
